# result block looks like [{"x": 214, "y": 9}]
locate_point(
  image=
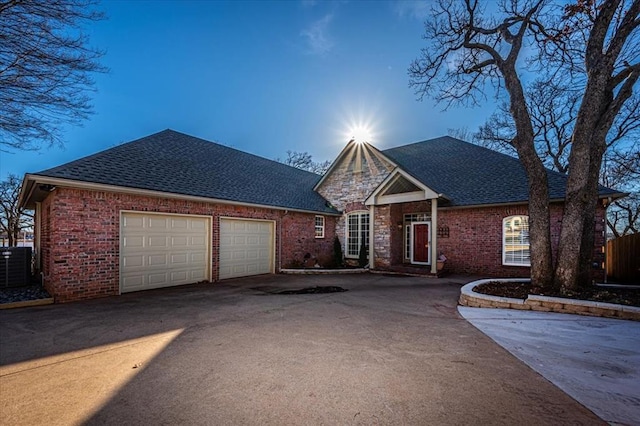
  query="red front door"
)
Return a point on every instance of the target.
[{"x": 421, "y": 242}]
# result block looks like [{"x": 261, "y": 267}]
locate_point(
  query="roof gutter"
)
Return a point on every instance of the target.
[
  {"x": 612, "y": 196},
  {"x": 92, "y": 186}
]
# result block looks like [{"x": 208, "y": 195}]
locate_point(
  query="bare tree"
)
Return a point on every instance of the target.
[
  {"x": 13, "y": 219},
  {"x": 304, "y": 161},
  {"x": 621, "y": 170},
  {"x": 595, "y": 43},
  {"x": 45, "y": 69},
  {"x": 554, "y": 107}
]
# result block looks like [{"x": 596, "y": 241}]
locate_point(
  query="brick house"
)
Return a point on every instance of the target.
[{"x": 172, "y": 209}]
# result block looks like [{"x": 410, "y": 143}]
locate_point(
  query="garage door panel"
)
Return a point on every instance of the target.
[
  {"x": 133, "y": 261},
  {"x": 158, "y": 279},
  {"x": 133, "y": 222},
  {"x": 198, "y": 240},
  {"x": 198, "y": 226},
  {"x": 157, "y": 222},
  {"x": 246, "y": 247},
  {"x": 133, "y": 241},
  {"x": 161, "y": 251},
  {"x": 179, "y": 259},
  {"x": 179, "y": 241},
  {"x": 179, "y": 223}
]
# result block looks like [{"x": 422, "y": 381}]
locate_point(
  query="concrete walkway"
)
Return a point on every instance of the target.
[
  {"x": 595, "y": 360},
  {"x": 391, "y": 350}
]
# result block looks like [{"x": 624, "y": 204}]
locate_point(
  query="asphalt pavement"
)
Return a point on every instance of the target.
[{"x": 390, "y": 350}]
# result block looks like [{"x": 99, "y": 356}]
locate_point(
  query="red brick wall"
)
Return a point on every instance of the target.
[
  {"x": 474, "y": 245},
  {"x": 80, "y": 244}
]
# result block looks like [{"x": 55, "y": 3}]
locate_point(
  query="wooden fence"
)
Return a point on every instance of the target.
[{"x": 623, "y": 259}]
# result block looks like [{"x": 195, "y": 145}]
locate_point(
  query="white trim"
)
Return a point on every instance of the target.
[
  {"x": 153, "y": 193},
  {"x": 405, "y": 197},
  {"x": 209, "y": 239},
  {"x": 411, "y": 243},
  {"x": 425, "y": 192},
  {"x": 433, "y": 244},
  {"x": 372, "y": 235},
  {"x": 37, "y": 235}
]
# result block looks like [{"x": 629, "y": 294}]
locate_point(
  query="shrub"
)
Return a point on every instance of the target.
[
  {"x": 337, "y": 252},
  {"x": 362, "y": 258}
]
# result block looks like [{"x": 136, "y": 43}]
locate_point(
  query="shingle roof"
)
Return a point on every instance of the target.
[
  {"x": 468, "y": 174},
  {"x": 173, "y": 162}
]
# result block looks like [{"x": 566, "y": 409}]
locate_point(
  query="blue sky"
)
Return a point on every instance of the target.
[{"x": 262, "y": 77}]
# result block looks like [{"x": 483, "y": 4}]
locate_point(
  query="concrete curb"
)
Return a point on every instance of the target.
[
  {"x": 544, "y": 303},
  {"x": 27, "y": 303}
]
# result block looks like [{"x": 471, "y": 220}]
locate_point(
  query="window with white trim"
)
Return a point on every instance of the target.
[
  {"x": 319, "y": 226},
  {"x": 357, "y": 233},
  {"x": 515, "y": 241}
]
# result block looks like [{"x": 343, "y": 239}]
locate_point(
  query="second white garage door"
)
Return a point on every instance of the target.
[{"x": 246, "y": 247}]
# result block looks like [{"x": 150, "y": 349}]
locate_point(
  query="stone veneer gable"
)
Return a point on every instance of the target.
[{"x": 347, "y": 189}]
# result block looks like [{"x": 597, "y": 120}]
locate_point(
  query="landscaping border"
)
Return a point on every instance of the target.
[
  {"x": 544, "y": 303},
  {"x": 320, "y": 271},
  {"x": 27, "y": 303}
]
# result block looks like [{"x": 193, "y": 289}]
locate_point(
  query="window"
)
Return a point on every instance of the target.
[
  {"x": 515, "y": 241},
  {"x": 319, "y": 226},
  {"x": 357, "y": 233}
]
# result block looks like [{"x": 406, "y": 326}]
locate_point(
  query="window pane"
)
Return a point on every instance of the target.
[
  {"x": 357, "y": 232},
  {"x": 352, "y": 235},
  {"x": 516, "y": 241},
  {"x": 319, "y": 227}
]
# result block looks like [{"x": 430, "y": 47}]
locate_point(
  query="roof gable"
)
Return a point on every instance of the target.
[
  {"x": 400, "y": 187},
  {"x": 356, "y": 155},
  {"x": 174, "y": 162}
]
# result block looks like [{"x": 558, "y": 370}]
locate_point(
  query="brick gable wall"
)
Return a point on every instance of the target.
[
  {"x": 474, "y": 245},
  {"x": 81, "y": 237}
]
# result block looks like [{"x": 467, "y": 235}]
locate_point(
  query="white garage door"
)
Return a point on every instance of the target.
[
  {"x": 158, "y": 250},
  {"x": 246, "y": 247}
]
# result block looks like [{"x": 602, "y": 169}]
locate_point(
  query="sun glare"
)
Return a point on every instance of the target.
[{"x": 360, "y": 133}]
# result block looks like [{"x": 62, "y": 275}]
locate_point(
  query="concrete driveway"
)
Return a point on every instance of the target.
[{"x": 391, "y": 350}]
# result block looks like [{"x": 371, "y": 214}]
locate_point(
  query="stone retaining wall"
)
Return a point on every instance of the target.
[{"x": 545, "y": 304}]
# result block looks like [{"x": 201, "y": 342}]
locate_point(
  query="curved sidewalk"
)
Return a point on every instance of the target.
[{"x": 594, "y": 360}]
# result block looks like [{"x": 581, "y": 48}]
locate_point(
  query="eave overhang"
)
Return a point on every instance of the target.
[
  {"x": 35, "y": 188},
  {"x": 381, "y": 195}
]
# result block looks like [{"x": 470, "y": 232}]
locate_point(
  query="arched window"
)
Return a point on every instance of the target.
[
  {"x": 515, "y": 241},
  {"x": 357, "y": 233}
]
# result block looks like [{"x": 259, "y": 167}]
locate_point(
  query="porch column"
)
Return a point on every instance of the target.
[
  {"x": 372, "y": 262},
  {"x": 434, "y": 235}
]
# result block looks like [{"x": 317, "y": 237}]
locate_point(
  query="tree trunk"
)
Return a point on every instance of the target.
[
  {"x": 575, "y": 249},
  {"x": 539, "y": 220}
]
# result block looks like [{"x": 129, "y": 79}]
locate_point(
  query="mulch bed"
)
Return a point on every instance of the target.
[
  {"x": 620, "y": 296},
  {"x": 22, "y": 294}
]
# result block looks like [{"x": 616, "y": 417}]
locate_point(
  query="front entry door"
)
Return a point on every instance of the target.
[{"x": 420, "y": 251}]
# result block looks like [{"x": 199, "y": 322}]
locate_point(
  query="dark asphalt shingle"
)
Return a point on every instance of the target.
[
  {"x": 469, "y": 174},
  {"x": 173, "y": 162}
]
